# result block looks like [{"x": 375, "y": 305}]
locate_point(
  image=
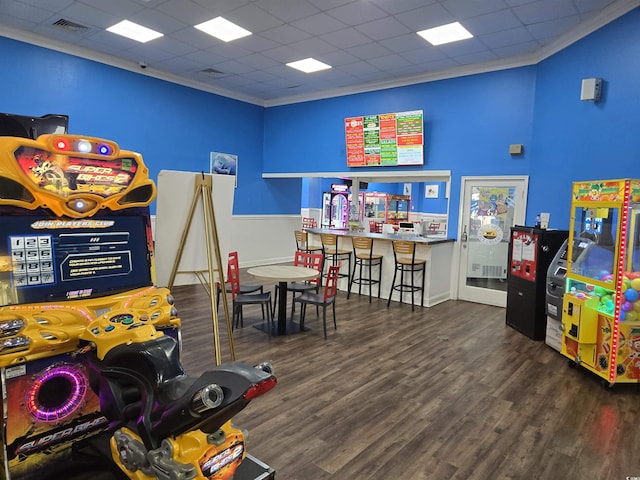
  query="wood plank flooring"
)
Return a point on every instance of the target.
[{"x": 448, "y": 392}]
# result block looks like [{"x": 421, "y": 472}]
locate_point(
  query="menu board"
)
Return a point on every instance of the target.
[{"x": 388, "y": 139}]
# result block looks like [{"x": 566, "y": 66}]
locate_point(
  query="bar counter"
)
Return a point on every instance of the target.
[{"x": 438, "y": 252}]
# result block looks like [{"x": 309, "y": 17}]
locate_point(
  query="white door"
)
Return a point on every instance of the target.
[{"x": 490, "y": 206}]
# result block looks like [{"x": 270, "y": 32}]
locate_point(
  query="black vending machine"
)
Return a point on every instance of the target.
[{"x": 531, "y": 250}]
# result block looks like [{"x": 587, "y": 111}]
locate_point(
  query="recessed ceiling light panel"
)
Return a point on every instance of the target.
[
  {"x": 223, "y": 29},
  {"x": 452, "y": 32},
  {"x": 308, "y": 65},
  {"x": 134, "y": 31}
]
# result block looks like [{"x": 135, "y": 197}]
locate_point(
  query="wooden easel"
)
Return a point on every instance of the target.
[{"x": 203, "y": 191}]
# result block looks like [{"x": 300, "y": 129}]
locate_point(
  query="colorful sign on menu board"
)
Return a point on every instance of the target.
[{"x": 389, "y": 139}]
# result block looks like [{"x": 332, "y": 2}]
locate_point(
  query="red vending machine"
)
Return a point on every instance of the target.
[{"x": 531, "y": 250}]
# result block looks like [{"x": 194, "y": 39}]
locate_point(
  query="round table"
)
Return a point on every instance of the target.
[{"x": 283, "y": 274}]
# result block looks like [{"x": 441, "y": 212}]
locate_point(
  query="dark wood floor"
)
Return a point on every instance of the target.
[{"x": 447, "y": 392}]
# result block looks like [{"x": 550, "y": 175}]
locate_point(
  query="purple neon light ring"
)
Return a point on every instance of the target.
[{"x": 78, "y": 382}]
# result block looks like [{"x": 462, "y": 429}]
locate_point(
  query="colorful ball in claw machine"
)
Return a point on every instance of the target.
[
  {"x": 636, "y": 306},
  {"x": 631, "y": 295},
  {"x": 627, "y": 306},
  {"x": 631, "y": 316},
  {"x": 607, "y": 278},
  {"x": 599, "y": 291},
  {"x": 635, "y": 283},
  {"x": 602, "y": 274}
]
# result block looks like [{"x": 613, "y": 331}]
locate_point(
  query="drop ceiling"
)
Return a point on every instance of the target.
[{"x": 370, "y": 44}]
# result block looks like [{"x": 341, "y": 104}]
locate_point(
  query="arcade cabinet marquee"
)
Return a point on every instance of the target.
[{"x": 89, "y": 346}]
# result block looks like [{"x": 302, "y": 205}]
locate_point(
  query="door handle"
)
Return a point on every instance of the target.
[{"x": 464, "y": 237}]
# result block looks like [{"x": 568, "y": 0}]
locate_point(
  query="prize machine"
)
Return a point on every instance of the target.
[
  {"x": 89, "y": 346},
  {"x": 385, "y": 208},
  {"x": 531, "y": 252},
  {"x": 601, "y": 305},
  {"x": 398, "y": 208},
  {"x": 335, "y": 207}
]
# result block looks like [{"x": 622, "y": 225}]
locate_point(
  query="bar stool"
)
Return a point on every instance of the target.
[
  {"x": 404, "y": 254},
  {"x": 363, "y": 256},
  {"x": 333, "y": 254},
  {"x": 302, "y": 243}
]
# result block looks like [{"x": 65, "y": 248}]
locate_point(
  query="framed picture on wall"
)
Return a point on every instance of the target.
[
  {"x": 224, "y": 164},
  {"x": 431, "y": 191}
]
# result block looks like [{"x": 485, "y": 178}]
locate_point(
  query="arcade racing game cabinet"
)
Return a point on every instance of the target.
[{"x": 89, "y": 346}]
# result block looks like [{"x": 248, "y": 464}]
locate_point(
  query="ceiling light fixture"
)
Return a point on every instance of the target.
[
  {"x": 452, "y": 32},
  {"x": 223, "y": 29},
  {"x": 308, "y": 65},
  {"x": 134, "y": 31}
]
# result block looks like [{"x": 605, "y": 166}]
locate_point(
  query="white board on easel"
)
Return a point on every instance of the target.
[{"x": 176, "y": 190}]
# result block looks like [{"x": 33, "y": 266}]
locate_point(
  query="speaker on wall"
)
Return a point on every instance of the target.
[{"x": 591, "y": 89}]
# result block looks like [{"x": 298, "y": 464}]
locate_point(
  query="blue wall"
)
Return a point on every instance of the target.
[
  {"x": 173, "y": 127},
  {"x": 581, "y": 140},
  {"x": 469, "y": 122}
]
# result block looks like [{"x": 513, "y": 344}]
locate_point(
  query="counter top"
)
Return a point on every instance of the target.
[{"x": 427, "y": 240}]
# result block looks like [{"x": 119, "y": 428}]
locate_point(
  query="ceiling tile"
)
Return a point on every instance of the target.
[
  {"x": 356, "y": 13},
  {"x": 464, "y": 9},
  {"x": 544, "y": 10},
  {"x": 404, "y": 43},
  {"x": 287, "y": 10},
  {"x": 399, "y": 6},
  {"x": 367, "y": 51},
  {"x": 506, "y": 37},
  {"x": 348, "y": 37},
  {"x": 492, "y": 22},
  {"x": 190, "y": 12},
  {"x": 389, "y": 62},
  {"x": 319, "y": 24},
  {"x": 426, "y": 17},
  {"x": 89, "y": 16},
  {"x": 285, "y": 34},
  {"x": 313, "y": 47},
  {"x": 258, "y": 62},
  {"x": 553, "y": 28},
  {"x": 382, "y": 28},
  {"x": 253, "y": 18},
  {"x": 119, "y": 8}
]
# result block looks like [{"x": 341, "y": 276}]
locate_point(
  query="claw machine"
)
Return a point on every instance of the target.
[
  {"x": 335, "y": 207},
  {"x": 601, "y": 304}
]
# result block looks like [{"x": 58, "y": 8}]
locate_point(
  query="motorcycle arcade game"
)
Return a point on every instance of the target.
[{"x": 89, "y": 346}]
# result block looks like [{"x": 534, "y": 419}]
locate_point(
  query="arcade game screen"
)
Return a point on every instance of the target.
[{"x": 51, "y": 259}]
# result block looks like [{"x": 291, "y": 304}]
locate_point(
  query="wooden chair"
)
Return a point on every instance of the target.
[
  {"x": 333, "y": 254},
  {"x": 233, "y": 258},
  {"x": 324, "y": 299},
  {"x": 242, "y": 299},
  {"x": 303, "y": 259},
  {"x": 309, "y": 222},
  {"x": 406, "y": 262},
  {"x": 302, "y": 243},
  {"x": 365, "y": 258}
]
